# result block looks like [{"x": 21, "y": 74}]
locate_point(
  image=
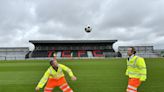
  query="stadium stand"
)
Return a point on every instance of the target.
[
  {"x": 73, "y": 48},
  {"x": 160, "y": 52},
  {"x": 143, "y": 51},
  {"x": 13, "y": 53}
]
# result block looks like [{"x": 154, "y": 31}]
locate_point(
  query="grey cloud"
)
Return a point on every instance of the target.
[
  {"x": 126, "y": 13},
  {"x": 15, "y": 21},
  {"x": 68, "y": 12},
  {"x": 132, "y": 22}
]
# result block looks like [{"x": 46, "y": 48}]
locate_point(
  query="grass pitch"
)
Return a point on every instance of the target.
[{"x": 94, "y": 75}]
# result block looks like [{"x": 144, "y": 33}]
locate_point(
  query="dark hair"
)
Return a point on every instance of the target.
[
  {"x": 133, "y": 50},
  {"x": 51, "y": 62}
]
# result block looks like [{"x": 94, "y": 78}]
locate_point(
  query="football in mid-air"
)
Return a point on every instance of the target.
[{"x": 88, "y": 29}]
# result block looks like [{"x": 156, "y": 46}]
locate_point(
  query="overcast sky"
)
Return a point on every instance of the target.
[{"x": 131, "y": 22}]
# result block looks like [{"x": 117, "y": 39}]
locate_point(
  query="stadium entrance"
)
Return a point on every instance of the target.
[{"x": 73, "y": 48}]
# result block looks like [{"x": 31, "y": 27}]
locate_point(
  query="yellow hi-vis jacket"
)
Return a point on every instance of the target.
[
  {"x": 51, "y": 73},
  {"x": 136, "y": 68}
]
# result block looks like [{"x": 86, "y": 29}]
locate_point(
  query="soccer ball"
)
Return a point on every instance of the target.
[{"x": 88, "y": 29}]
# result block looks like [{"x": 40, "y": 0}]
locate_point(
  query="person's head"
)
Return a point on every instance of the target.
[
  {"x": 53, "y": 63},
  {"x": 54, "y": 54},
  {"x": 131, "y": 51}
]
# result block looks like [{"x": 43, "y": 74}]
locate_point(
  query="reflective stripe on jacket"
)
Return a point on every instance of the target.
[
  {"x": 51, "y": 73},
  {"x": 136, "y": 68}
]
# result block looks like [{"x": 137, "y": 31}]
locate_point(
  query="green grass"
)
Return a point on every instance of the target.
[{"x": 95, "y": 75}]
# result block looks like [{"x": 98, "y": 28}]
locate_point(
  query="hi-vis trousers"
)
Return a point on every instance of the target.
[
  {"x": 61, "y": 83},
  {"x": 133, "y": 84}
]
